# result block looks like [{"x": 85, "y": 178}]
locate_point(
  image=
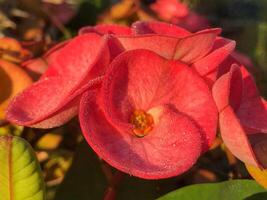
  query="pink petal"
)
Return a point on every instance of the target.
[
  {"x": 150, "y": 27},
  {"x": 228, "y": 89},
  {"x": 253, "y": 114},
  {"x": 252, "y": 111},
  {"x": 82, "y": 61},
  {"x": 172, "y": 148},
  {"x": 39, "y": 66},
  {"x": 195, "y": 46},
  {"x": 188, "y": 49},
  {"x": 238, "y": 127},
  {"x": 140, "y": 79},
  {"x": 235, "y": 137},
  {"x": 162, "y": 45},
  {"x": 83, "y": 54},
  {"x": 102, "y": 29},
  {"x": 47, "y": 103},
  {"x": 221, "y": 49},
  {"x": 50, "y": 59}
]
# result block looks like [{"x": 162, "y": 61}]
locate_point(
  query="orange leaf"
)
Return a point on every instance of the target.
[
  {"x": 12, "y": 80},
  {"x": 11, "y": 50},
  {"x": 259, "y": 175}
]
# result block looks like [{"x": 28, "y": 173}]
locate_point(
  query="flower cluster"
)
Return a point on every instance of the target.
[{"x": 149, "y": 97}]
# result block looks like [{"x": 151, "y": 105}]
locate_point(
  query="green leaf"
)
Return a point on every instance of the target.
[
  {"x": 230, "y": 190},
  {"x": 20, "y": 173}
]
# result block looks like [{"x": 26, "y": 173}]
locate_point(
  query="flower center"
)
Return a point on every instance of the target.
[{"x": 143, "y": 123}]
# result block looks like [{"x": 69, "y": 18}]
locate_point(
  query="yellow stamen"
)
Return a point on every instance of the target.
[{"x": 143, "y": 123}]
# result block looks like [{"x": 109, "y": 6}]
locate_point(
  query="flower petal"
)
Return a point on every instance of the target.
[
  {"x": 228, "y": 89},
  {"x": 188, "y": 49},
  {"x": 150, "y": 27},
  {"x": 221, "y": 49},
  {"x": 47, "y": 103},
  {"x": 235, "y": 137},
  {"x": 195, "y": 46},
  {"x": 140, "y": 79},
  {"x": 162, "y": 45},
  {"x": 83, "y": 54},
  {"x": 252, "y": 111},
  {"x": 172, "y": 148},
  {"x": 236, "y": 109},
  {"x": 253, "y": 114}
]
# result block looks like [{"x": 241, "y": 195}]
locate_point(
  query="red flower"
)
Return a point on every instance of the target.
[
  {"x": 176, "y": 12},
  {"x": 170, "y": 9},
  {"x": 79, "y": 64},
  {"x": 243, "y": 114},
  {"x": 54, "y": 99},
  {"x": 204, "y": 50},
  {"x": 149, "y": 118},
  {"x": 153, "y": 114}
]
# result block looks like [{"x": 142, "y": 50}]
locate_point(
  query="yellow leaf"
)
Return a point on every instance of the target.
[
  {"x": 259, "y": 175},
  {"x": 12, "y": 81},
  {"x": 49, "y": 141}
]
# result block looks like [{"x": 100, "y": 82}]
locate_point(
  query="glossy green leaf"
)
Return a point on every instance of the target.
[
  {"x": 20, "y": 173},
  {"x": 230, "y": 190}
]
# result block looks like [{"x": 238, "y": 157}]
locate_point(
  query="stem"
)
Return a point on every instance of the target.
[
  {"x": 113, "y": 179},
  {"x": 111, "y": 193},
  {"x": 233, "y": 163}
]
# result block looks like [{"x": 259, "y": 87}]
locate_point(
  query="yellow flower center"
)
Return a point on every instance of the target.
[{"x": 143, "y": 123}]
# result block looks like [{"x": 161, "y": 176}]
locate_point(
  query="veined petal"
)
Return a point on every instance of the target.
[
  {"x": 187, "y": 49},
  {"x": 140, "y": 79},
  {"x": 47, "y": 103},
  {"x": 236, "y": 138},
  {"x": 221, "y": 49},
  {"x": 192, "y": 48},
  {"x": 228, "y": 89},
  {"x": 172, "y": 148},
  {"x": 78, "y": 66}
]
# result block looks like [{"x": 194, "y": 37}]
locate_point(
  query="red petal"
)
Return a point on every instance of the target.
[
  {"x": 235, "y": 137},
  {"x": 141, "y": 79},
  {"x": 195, "y": 46},
  {"x": 106, "y": 29},
  {"x": 49, "y": 59},
  {"x": 252, "y": 111},
  {"x": 83, "y": 54},
  {"x": 221, "y": 49},
  {"x": 157, "y": 27},
  {"x": 253, "y": 114},
  {"x": 82, "y": 60},
  {"x": 228, "y": 89},
  {"x": 162, "y": 45},
  {"x": 47, "y": 103},
  {"x": 232, "y": 91},
  {"x": 172, "y": 148},
  {"x": 188, "y": 49}
]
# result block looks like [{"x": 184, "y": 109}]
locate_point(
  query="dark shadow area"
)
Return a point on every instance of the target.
[{"x": 259, "y": 196}]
